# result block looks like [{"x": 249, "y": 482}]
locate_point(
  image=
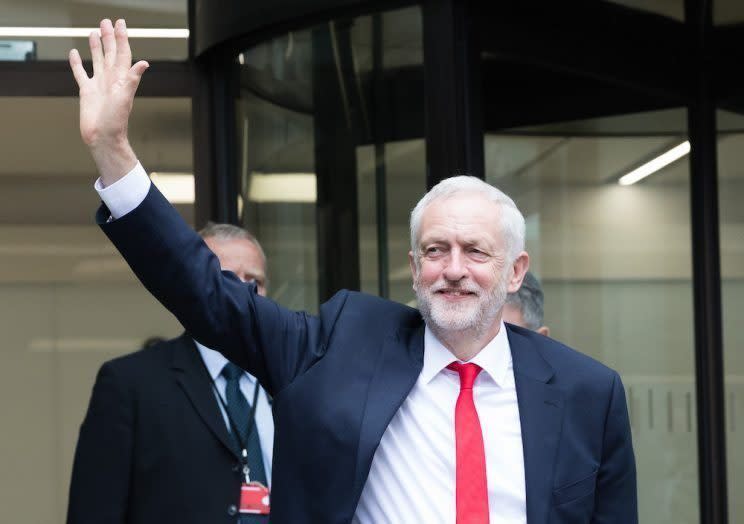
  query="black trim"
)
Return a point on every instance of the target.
[
  {"x": 454, "y": 115},
  {"x": 338, "y": 120},
  {"x": 215, "y": 140},
  {"x": 706, "y": 270},
  {"x": 54, "y": 78},
  {"x": 240, "y": 24},
  {"x": 591, "y": 39},
  {"x": 377, "y": 111}
]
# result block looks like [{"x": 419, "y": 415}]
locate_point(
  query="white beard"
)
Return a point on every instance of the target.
[{"x": 476, "y": 315}]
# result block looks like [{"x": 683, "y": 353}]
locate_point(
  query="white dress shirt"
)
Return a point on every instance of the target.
[
  {"x": 412, "y": 477},
  {"x": 125, "y": 194},
  {"x": 215, "y": 361}
]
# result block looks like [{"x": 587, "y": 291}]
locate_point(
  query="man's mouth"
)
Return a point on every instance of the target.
[{"x": 455, "y": 293}]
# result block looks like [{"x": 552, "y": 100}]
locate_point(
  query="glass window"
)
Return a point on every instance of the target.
[
  {"x": 615, "y": 263},
  {"x": 332, "y": 84},
  {"x": 731, "y": 194},
  {"x": 728, "y": 12},
  {"x": 391, "y": 169},
  {"x": 403, "y": 166},
  {"x": 277, "y": 174}
]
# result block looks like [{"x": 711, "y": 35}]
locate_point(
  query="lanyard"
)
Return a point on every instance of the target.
[{"x": 231, "y": 422}]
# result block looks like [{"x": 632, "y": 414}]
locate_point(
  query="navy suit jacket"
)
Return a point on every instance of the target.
[
  {"x": 153, "y": 446},
  {"x": 338, "y": 378}
]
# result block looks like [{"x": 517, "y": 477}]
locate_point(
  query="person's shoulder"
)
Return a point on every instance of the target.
[
  {"x": 150, "y": 358},
  {"x": 565, "y": 360},
  {"x": 377, "y": 307}
]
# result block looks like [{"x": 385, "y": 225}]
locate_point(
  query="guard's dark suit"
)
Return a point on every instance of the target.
[{"x": 154, "y": 447}]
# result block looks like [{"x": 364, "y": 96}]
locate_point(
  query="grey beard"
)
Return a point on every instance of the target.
[{"x": 476, "y": 324}]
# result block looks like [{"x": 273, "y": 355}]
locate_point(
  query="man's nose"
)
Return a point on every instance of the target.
[{"x": 456, "y": 268}]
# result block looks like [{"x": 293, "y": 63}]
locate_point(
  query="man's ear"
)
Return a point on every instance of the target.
[
  {"x": 414, "y": 270},
  {"x": 519, "y": 268}
]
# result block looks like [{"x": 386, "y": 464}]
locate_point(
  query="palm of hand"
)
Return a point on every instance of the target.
[{"x": 106, "y": 99}]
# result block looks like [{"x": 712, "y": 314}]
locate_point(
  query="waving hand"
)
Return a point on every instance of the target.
[{"x": 107, "y": 97}]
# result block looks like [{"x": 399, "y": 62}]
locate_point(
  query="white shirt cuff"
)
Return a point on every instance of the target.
[{"x": 125, "y": 194}]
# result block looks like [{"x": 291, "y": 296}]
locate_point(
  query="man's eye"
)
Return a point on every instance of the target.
[{"x": 477, "y": 254}]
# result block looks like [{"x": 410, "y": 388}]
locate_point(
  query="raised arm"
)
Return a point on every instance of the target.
[
  {"x": 169, "y": 258},
  {"x": 106, "y": 99}
]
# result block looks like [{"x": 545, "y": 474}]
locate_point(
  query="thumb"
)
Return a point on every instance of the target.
[{"x": 136, "y": 72}]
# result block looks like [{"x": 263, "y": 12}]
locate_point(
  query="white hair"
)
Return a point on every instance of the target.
[
  {"x": 511, "y": 223},
  {"x": 222, "y": 231}
]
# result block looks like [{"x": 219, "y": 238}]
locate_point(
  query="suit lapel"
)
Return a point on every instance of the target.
[
  {"x": 398, "y": 367},
  {"x": 193, "y": 378},
  {"x": 540, "y": 414}
]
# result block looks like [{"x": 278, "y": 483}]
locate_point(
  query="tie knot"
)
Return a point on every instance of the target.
[
  {"x": 467, "y": 372},
  {"x": 231, "y": 371}
]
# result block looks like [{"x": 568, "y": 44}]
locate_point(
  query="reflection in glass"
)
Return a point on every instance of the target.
[
  {"x": 615, "y": 263},
  {"x": 317, "y": 109},
  {"x": 277, "y": 145},
  {"x": 404, "y": 165}
]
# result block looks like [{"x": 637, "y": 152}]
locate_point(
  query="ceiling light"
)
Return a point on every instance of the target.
[
  {"x": 83, "y": 32},
  {"x": 656, "y": 164},
  {"x": 178, "y": 188},
  {"x": 283, "y": 187}
]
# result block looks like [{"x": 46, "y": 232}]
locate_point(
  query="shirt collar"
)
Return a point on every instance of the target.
[
  {"x": 215, "y": 361},
  {"x": 494, "y": 358}
]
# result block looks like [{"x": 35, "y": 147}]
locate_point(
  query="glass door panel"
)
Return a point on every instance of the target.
[{"x": 615, "y": 263}]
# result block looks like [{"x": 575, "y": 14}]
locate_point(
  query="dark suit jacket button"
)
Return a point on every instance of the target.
[
  {"x": 236, "y": 468},
  {"x": 232, "y": 510}
]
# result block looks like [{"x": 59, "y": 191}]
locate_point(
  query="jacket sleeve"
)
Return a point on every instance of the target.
[
  {"x": 616, "y": 498},
  {"x": 215, "y": 307},
  {"x": 101, "y": 473}
]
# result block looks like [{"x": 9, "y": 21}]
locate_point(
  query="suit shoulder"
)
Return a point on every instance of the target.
[
  {"x": 377, "y": 307},
  {"x": 566, "y": 360},
  {"x": 142, "y": 360}
]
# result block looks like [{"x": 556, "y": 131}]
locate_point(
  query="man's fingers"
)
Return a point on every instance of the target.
[
  {"x": 123, "y": 52},
  {"x": 109, "y": 42},
  {"x": 96, "y": 52},
  {"x": 78, "y": 71}
]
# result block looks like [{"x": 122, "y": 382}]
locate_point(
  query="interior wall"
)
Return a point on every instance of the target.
[
  {"x": 68, "y": 302},
  {"x": 55, "y": 337}
]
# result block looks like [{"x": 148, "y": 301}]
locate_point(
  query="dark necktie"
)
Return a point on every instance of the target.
[
  {"x": 239, "y": 411},
  {"x": 471, "y": 488}
]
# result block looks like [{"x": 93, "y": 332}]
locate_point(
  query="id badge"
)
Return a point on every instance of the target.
[{"x": 254, "y": 498}]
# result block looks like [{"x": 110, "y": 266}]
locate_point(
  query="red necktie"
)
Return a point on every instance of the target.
[{"x": 471, "y": 488}]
